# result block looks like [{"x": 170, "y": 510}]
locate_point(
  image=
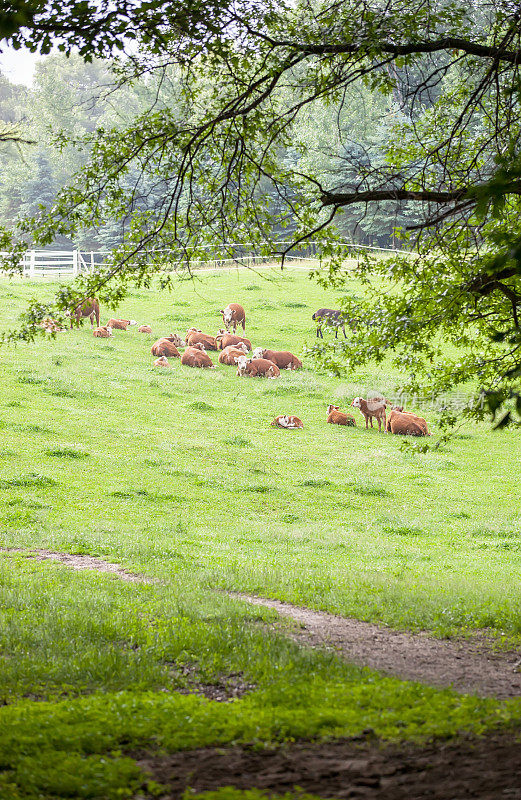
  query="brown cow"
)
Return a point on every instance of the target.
[
  {"x": 229, "y": 355},
  {"x": 257, "y": 367},
  {"x": 288, "y": 421},
  {"x": 406, "y": 424},
  {"x": 51, "y": 325},
  {"x": 144, "y": 329},
  {"x": 104, "y": 332},
  {"x": 197, "y": 337},
  {"x": 282, "y": 358},
  {"x": 162, "y": 361},
  {"x": 337, "y": 417},
  {"x": 121, "y": 324},
  {"x": 233, "y": 314},
  {"x": 419, "y": 420},
  {"x": 175, "y": 339},
  {"x": 89, "y": 308},
  {"x": 371, "y": 408},
  {"x": 224, "y": 340},
  {"x": 163, "y": 347},
  {"x": 196, "y": 357}
]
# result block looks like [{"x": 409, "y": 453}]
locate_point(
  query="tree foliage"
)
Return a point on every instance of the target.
[{"x": 229, "y": 161}]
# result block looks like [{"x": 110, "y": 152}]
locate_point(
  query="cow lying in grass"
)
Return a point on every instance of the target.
[
  {"x": 224, "y": 340},
  {"x": 104, "y": 332},
  {"x": 404, "y": 423},
  {"x": 51, "y": 325},
  {"x": 337, "y": 417},
  {"x": 229, "y": 354},
  {"x": 288, "y": 421},
  {"x": 282, "y": 358},
  {"x": 121, "y": 324},
  {"x": 144, "y": 329},
  {"x": 196, "y": 357},
  {"x": 256, "y": 367},
  {"x": 162, "y": 361},
  {"x": 194, "y": 337},
  {"x": 164, "y": 347}
]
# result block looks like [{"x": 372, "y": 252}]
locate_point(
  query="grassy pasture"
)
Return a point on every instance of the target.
[{"x": 178, "y": 475}]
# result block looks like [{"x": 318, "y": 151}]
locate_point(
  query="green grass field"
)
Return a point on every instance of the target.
[{"x": 178, "y": 475}]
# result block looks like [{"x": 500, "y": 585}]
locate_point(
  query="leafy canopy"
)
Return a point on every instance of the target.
[{"x": 216, "y": 168}]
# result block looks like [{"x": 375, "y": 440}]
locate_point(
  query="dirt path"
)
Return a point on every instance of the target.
[
  {"x": 465, "y": 665},
  {"x": 79, "y": 562},
  {"x": 488, "y": 768}
]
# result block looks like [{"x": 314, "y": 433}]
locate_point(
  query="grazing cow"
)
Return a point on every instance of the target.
[
  {"x": 197, "y": 337},
  {"x": 282, "y": 358},
  {"x": 335, "y": 317},
  {"x": 233, "y": 314},
  {"x": 229, "y": 355},
  {"x": 256, "y": 367},
  {"x": 371, "y": 408},
  {"x": 104, "y": 332},
  {"x": 89, "y": 308},
  {"x": 196, "y": 357},
  {"x": 337, "y": 417},
  {"x": 162, "y": 361},
  {"x": 144, "y": 329},
  {"x": 288, "y": 421},
  {"x": 224, "y": 340},
  {"x": 163, "y": 347},
  {"x": 121, "y": 324},
  {"x": 406, "y": 424},
  {"x": 420, "y": 421}
]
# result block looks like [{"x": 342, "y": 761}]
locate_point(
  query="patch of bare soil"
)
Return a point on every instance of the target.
[
  {"x": 489, "y": 769},
  {"x": 226, "y": 688},
  {"x": 471, "y": 666},
  {"x": 80, "y": 562}
]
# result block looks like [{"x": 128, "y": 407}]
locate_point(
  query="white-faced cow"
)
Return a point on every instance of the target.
[
  {"x": 233, "y": 315},
  {"x": 282, "y": 358},
  {"x": 256, "y": 367},
  {"x": 288, "y": 421}
]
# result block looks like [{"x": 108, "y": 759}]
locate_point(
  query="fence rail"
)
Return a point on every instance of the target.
[{"x": 58, "y": 263}]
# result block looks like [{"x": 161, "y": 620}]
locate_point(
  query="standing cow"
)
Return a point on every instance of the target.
[
  {"x": 331, "y": 315},
  {"x": 233, "y": 314},
  {"x": 89, "y": 308}
]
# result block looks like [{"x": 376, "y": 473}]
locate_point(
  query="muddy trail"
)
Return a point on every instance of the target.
[
  {"x": 471, "y": 665},
  {"x": 488, "y": 768}
]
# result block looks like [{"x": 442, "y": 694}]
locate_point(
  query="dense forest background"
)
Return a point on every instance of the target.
[{"x": 69, "y": 99}]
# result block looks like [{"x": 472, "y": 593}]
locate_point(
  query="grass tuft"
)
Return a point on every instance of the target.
[
  {"x": 32, "y": 479},
  {"x": 365, "y": 488},
  {"x": 238, "y": 441},
  {"x": 317, "y": 482},
  {"x": 200, "y": 405},
  {"x": 65, "y": 452}
]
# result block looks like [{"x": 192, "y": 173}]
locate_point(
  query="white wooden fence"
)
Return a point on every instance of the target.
[
  {"x": 58, "y": 263},
  {"x": 55, "y": 263}
]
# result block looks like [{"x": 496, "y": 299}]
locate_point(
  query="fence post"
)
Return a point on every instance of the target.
[
  {"x": 75, "y": 262},
  {"x": 32, "y": 263},
  {"x": 92, "y": 260}
]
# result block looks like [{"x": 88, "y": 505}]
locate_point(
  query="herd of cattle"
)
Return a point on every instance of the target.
[{"x": 233, "y": 350}]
